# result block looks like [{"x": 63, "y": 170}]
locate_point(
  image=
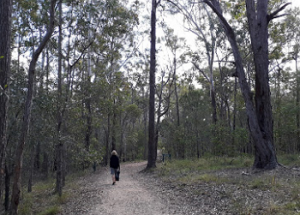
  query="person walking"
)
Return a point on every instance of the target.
[{"x": 114, "y": 165}]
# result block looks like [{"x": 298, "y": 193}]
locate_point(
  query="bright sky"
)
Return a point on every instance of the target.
[{"x": 295, "y": 3}]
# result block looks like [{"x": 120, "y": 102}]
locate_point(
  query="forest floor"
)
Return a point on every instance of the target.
[{"x": 185, "y": 192}]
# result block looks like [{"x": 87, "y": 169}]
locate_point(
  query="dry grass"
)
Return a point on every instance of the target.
[{"x": 231, "y": 182}]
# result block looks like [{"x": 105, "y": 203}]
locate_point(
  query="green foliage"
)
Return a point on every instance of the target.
[
  {"x": 44, "y": 186},
  {"x": 133, "y": 112},
  {"x": 62, "y": 199},
  {"x": 238, "y": 9},
  {"x": 43, "y": 201},
  {"x": 26, "y": 205},
  {"x": 82, "y": 158},
  {"x": 221, "y": 138},
  {"x": 50, "y": 211}
]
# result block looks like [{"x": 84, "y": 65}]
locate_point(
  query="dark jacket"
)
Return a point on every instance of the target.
[{"x": 114, "y": 162}]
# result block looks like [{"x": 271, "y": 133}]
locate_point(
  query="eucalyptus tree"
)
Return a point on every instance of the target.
[
  {"x": 206, "y": 31},
  {"x": 292, "y": 36},
  {"x": 191, "y": 138},
  {"x": 74, "y": 43},
  {"x": 195, "y": 111},
  {"x": 113, "y": 45},
  {"x": 278, "y": 59},
  {"x": 129, "y": 131},
  {"x": 164, "y": 91},
  {"x": 27, "y": 111},
  {"x": 5, "y": 59},
  {"x": 239, "y": 23},
  {"x": 16, "y": 105},
  {"x": 141, "y": 92},
  {"x": 59, "y": 147},
  {"x": 119, "y": 22},
  {"x": 168, "y": 89},
  {"x": 178, "y": 58},
  {"x": 151, "y": 135},
  {"x": 260, "y": 115}
]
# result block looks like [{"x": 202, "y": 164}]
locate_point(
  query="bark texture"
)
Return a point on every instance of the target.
[
  {"x": 5, "y": 58},
  {"x": 151, "y": 140},
  {"x": 257, "y": 15},
  {"x": 59, "y": 144}
]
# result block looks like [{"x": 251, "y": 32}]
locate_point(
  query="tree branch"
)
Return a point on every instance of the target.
[
  {"x": 215, "y": 6},
  {"x": 274, "y": 14},
  {"x": 48, "y": 33},
  {"x": 201, "y": 71},
  {"x": 157, "y": 3},
  {"x": 82, "y": 53}
]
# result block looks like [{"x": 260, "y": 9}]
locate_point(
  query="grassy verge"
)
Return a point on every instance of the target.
[
  {"x": 43, "y": 200},
  {"x": 280, "y": 186},
  {"x": 182, "y": 167}
]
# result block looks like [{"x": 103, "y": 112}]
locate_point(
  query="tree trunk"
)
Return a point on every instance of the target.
[
  {"x": 151, "y": 141},
  {"x": 297, "y": 103},
  {"x": 7, "y": 187},
  {"x": 88, "y": 99},
  {"x": 59, "y": 166},
  {"x": 176, "y": 91},
  {"x": 88, "y": 115},
  {"x": 260, "y": 116},
  {"x": 159, "y": 115},
  {"x": 107, "y": 154},
  {"x": 265, "y": 156},
  {"x": 5, "y": 58},
  {"x": 37, "y": 156},
  {"x": 59, "y": 144},
  {"x": 114, "y": 127},
  {"x": 45, "y": 165},
  {"x": 145, "y": 111},
  {"x": 122, "y": 130},
  {"x": 211, "y": 79},
  {"x": 31, "y": 170},
  {"x": 47, "y": 69},
  {"x": 27, "y": 113}
]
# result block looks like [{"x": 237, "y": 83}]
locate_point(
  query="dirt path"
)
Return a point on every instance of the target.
[
  {"x": 129, "y": 196},
  {"x": 229, "y": 192}
]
